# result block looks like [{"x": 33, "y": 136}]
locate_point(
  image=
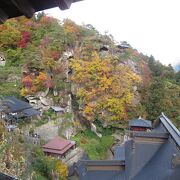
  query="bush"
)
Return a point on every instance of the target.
[
  {"x": 83, "y": 140},
  {"x": 39, "y": 177},
  {"x": 95, "y": 147},
  {"x": 41, "y": 122},
  {"x": 20, "y": 139}
]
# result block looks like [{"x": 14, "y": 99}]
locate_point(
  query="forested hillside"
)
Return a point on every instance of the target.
[
  {"x": 106, "y": 82},
  {"x": 98, "y": 84}
]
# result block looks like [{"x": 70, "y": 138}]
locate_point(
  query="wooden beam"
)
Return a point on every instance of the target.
[
  {"x": 64, "y": 4},
  {"x": 3, "y": 16},
  {"x": 25, "y": 7}
]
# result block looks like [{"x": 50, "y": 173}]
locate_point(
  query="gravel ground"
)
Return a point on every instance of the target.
[{"x": 47, "y": 131}]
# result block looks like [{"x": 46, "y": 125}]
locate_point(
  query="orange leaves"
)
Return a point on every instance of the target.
[
  {"x": 27, "y": 81},
  {"x": 42, "y": 77},
  {"x": 33, "y": 84}
]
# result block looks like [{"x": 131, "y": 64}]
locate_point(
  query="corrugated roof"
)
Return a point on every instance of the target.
[{"x": 140, "y": 123}]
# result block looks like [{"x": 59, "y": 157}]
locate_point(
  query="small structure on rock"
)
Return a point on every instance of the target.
[
  {"x": 15, "y": 109},
  {"x": 58, "y": 110},
  {"x": 58, "y": 147},
  {"x": 140, "y": 125},
  {"x": 123, "y": 45}
]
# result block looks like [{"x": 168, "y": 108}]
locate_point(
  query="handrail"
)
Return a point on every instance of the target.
[{"x": 173, "y": 131}]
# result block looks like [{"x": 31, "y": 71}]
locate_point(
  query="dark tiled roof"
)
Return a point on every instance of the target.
[
  {"x": 11, "y": 104},
  {"x": 15, "y": 8},
  {"x": 140, "y": 123},
  {"x": 30, "y": 112},
  {"x": 173, "y": 131},
  {"x": 20, "y": 108},
  {"x": 150, "y": 155},
  {"x": 119, "y": 153},
  {"x": 103, "y": 175},
  {"x": 6, "y": 177},
  {"x": 161, "y": 164}
]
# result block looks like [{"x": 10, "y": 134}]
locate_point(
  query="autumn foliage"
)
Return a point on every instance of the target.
[
  {"x": 32, "y": 84},
  {"x": 104, "y": 89},
  {"x": 25, "y": 38}
]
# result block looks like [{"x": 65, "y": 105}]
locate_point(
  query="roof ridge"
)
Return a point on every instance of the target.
[{"x": 172, "y": 130}]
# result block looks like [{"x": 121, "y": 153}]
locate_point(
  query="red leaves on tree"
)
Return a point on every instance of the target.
[
  {"x": 55, "y": 55},
  {"x": 25, "y": 38},
  {"x": 27, "y": 81}
]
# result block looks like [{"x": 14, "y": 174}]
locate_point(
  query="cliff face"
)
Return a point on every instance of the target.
[{"x": 78, "y": 69}]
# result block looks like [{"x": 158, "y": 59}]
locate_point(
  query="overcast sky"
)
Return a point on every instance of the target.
[{"x": 150, "y": 26}]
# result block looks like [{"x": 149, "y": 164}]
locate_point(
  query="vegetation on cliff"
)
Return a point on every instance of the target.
[
  {"x": 104, "y": 81},
  {"x": 108, "y": 85}
]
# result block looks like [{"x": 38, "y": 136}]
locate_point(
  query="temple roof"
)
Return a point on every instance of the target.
[
  {"x": 146, "y": 155},
  {"x": 140, "y": 123},
  {"x": 12, "y": 104},
  {"x": 119, "y": 153},
  {"x": 4, "y": 176},
  {"x": 57, "y": 145},
  {"x": 15, "y": 108},
  {"x": 15, "y": 8}
]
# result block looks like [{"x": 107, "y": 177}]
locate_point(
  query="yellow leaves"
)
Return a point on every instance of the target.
[
  {"x": 89, "y": 108},
  {"x": 71, "y": 27},
  {"x": 42, "y": 76},
  {"x": 9, "y": 36},
  {"x": 32, "y": 83},
  {"x": 61, "y": 169},
  {"x": 23, "y": 92},
  {"x": 2, "y": 132},
  {"x": 81, "y": 93},
  {"x": 104, "y": 88}
]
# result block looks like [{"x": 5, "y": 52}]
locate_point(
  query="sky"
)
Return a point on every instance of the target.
[{"x": 150, "y": 26}]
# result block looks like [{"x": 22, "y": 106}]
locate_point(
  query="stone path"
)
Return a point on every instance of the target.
[{"x": 73, "y": 156}]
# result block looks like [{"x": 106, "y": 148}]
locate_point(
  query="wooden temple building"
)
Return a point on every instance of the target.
[
  {"x": 58, "y": 147},
  {"x": 13, "y": 109},
  {"x": 140, "y": 125},
  {"x": 152, "y": 155}
]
